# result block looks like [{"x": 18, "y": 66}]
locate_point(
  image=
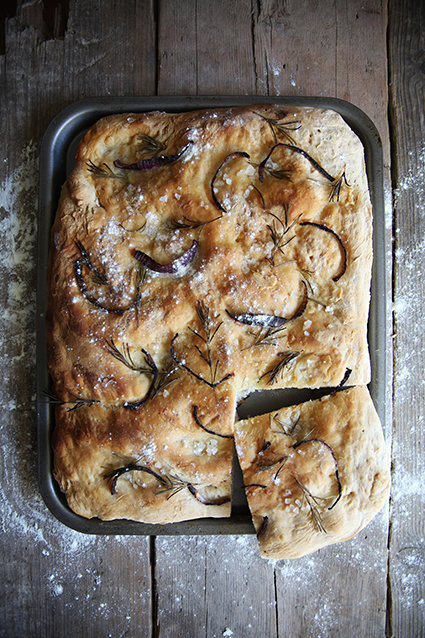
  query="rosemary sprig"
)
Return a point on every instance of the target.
[
  {"x": 151, "y": 369},
  {"x": 150, "y": 146},
  {"x": 124, "y": 357},
  {"x": 173, "y": 485},
  {"x": 165, "y": 378},
  {"x": 265, "y": 337},
  {"x": 336, "y": 186},
  {"x": 76, "y": 403},
  {"x": 303, "y": 442},
  {"x": 160, "y": 379},
  {"x": 278, "y": 229},
  {"x": 279, "y": 173},
  {"x": 206, "y": 335},
  {"x": 103, "y": 170},
  {"x": 176, "y": 485},
  {"x": 283, "y": 428},
  {"x": 176, "y": 224},
  {"x": 273, "y": 374},
  {"x": 98, "y": 276},
  {"x": 313, "y": 503},
  {"x": 278, "y": 125}
]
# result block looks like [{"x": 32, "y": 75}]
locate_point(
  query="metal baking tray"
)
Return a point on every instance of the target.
[{"x": 56, "y": 158}]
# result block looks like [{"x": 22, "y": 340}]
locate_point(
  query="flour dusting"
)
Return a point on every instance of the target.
[
  {"x": 407, "y": 558},
  {"x": 23, "y": 513},
  {"x": 414, "y": 179}
]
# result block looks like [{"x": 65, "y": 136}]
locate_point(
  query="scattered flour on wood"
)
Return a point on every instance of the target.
[
  {"x": 409, "y": 270},
  {"x": 407, "y": 557},
  {"x": 413, "y": 180},
  {"x": 23, "y": 513}
]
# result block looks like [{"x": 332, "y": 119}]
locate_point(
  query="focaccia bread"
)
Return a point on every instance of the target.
[
  {"x": 160, "y": 464},
  {"x": 315, "y": 473},
  {"x": 196, "y": 257}
]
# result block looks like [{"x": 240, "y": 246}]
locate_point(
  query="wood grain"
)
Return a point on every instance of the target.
[
  {"x": 208, "y": 585},
  {"x": 407, "y": 545},
  {"x": 205, "y": 48},
  {"x": 203, "y": 584},
  {"x": 56, "y": 582}
]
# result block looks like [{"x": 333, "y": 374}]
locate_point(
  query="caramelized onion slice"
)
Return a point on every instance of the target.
[
  {"x": 98, "y": 278},
  {"x": 263, "y": 526},
  {"x": 216, "y": 174},
  {"x": 220, "y": 500},
  {"x": 260, "y": 320},
  {"x": 115, "y": 474},
  {"x": 270, "y": 321},
  {"x": 173, "y": 267},
  {"x": 199, "y": 424},
  {"x": 343, "y": 267},
  {"x": 153, "y": 162}
]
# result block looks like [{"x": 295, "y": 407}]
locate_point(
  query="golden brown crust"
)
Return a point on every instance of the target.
[
  {"x": 253, "y": 197},
  {"x": 316, "y": 473},
  {"x": 192, "y": 466}
]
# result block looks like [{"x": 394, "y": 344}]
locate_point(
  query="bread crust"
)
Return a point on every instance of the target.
[{"x": 269, "y": 206}]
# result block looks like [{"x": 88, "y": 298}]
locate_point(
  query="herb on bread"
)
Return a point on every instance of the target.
[
  {"x": 206, "y": 335},
  {"x": 153, "y": 162},
  {"x": 98, "y": 279}
]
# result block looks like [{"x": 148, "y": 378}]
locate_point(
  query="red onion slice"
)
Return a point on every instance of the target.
[
  {"x": 270, "y": 321},
  {"x": 262, "y": 321},
  {"x": 171, "y": 268},
  {"x": 226, "y": 159},
  {"x": 220, "y": 500},
  {"x": 153, "y": 162},
  {"x": 343, "y": 267}
]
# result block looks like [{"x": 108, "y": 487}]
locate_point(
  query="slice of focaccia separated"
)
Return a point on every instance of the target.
[{"x": 315, "y": 473}]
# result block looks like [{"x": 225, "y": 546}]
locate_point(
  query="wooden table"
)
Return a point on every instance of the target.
[{"x": 56, "y": 582}]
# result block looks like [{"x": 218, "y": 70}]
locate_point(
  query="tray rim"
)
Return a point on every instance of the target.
[{"x": 63, "y": 128}]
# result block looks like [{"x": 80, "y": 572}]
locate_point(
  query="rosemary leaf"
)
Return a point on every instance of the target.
[
  {"x": 103, "y": 170},
  {"x": 273, "y": 374}
]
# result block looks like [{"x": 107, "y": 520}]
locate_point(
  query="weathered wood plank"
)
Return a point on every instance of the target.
[
  {"x": 208, "y": 586},
  {"x": 334, "y": 61},
  {"x": 205, "y": 48},
  {"x": 339, "y": 591},
  {"x": 56, "y": 582},
  {"x": 177, "y": 51},
  {"x": 407, "y": 545}
]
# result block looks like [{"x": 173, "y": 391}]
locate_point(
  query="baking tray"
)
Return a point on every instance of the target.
[{"x": 56, "y": 158}]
